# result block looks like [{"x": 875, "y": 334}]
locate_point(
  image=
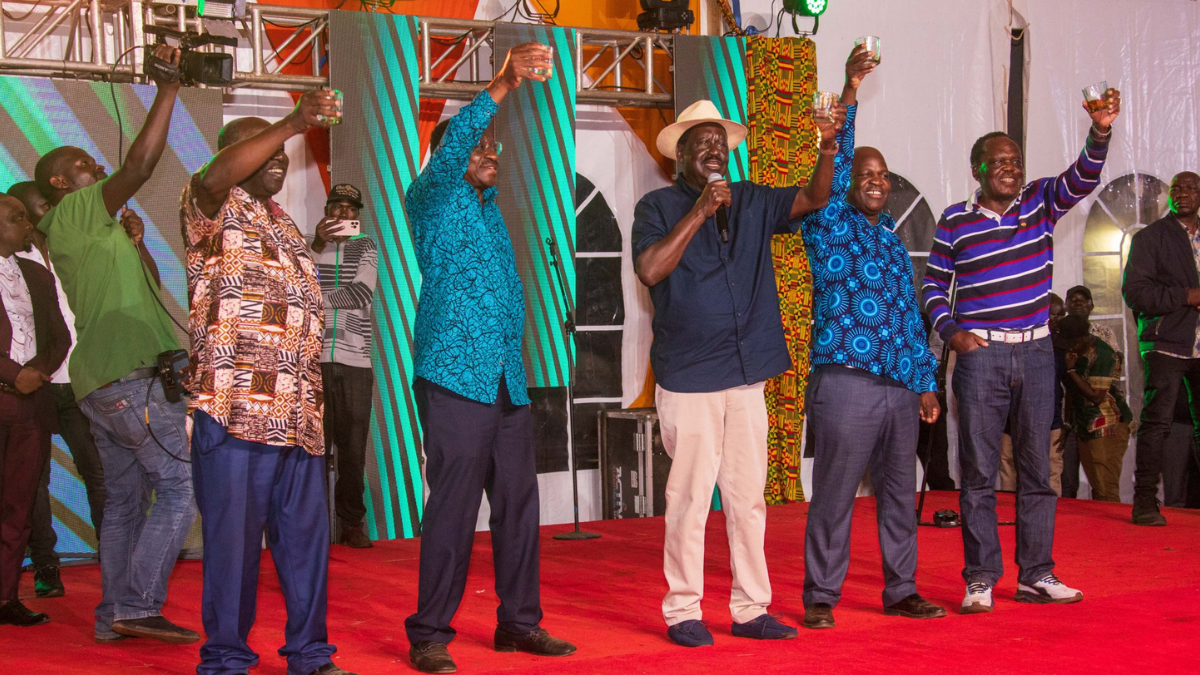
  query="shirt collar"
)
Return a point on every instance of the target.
[
  {"x": 687, "y": 187},
  {"x": 976, "y": 206}
]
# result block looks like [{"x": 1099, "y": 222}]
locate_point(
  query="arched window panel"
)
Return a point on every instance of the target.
[
  {"x": 1124, "y": 206},
  {"x": 915, "y": 224}
]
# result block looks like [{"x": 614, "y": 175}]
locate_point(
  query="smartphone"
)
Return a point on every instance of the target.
[{"x": 349, "y": 228}]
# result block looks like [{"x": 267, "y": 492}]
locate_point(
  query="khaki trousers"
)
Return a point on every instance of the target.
[
  {"x": 1101, "y": 459},
  {"x": 715, "y": 439},
  {"x": 1008, "y": 468}
]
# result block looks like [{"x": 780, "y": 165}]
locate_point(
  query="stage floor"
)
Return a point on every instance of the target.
[{"x": 1141, "y": 608}]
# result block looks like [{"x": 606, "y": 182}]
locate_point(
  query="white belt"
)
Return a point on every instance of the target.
[{"x": 1012, "y": 336}]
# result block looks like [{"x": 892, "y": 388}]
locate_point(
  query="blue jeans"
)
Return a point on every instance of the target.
[
  {"x": 138, "y": 550},
  {"x": 241, "y": 488},
  {"x": 1001, "y": 383}
]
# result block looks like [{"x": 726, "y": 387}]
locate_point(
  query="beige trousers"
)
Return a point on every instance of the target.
[
  {"x": 1102, "y": 459},
  {"x": 715, "y": 439},
  {"x": 1008, "y": 468}
]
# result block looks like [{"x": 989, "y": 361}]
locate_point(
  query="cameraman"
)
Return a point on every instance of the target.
[
  {"x": 348, "y": 265},
  {"x": 123, "y": 327}
]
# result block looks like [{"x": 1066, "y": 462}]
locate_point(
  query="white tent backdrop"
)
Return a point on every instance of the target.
[{"x": 1147, "y": 49}]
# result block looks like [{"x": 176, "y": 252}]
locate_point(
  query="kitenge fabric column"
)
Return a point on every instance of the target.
[{"x": 782, "y": 76}]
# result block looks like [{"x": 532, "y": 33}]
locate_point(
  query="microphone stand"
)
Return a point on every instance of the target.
[
  {"x": 569, "y": 331},
  {"x": 943, "y": 400}
]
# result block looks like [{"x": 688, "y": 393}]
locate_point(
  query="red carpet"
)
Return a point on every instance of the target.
[{"x": 1141, "y": 611}]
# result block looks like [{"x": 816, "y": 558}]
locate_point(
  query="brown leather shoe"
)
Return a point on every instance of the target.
[
  {"x": 14, "y": 613},
  {"x": 537, "y": 642},
  {"x": 157, "y": 628},
  {"x": 819, "y": 615},
  {"x": 915, "y": 607},
  {"x": 355, "y": 537},
  {"x": 431, "y": 657}
]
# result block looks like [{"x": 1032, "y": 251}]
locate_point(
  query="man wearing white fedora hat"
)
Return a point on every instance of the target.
[{"x": 703, "y": 247}]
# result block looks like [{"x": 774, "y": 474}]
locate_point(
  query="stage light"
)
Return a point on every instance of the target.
[
  {"x": 221, "y": 9},
  {"x": 806, "y": 7},
  {"x": 668, "y": 15}
]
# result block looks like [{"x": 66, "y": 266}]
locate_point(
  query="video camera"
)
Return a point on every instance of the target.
[{"x": 195, "y": 67}]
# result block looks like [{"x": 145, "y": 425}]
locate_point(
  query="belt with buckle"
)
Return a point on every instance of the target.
[
  {"x": 139, "y": 374},
  {"x": 1012, "y": 336}
]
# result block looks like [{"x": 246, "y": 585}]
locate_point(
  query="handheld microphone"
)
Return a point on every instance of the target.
[{"x": 722, "y": 212}]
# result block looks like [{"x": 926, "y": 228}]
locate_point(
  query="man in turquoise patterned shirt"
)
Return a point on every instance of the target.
[
  {"x": 873, "y": 377},
  {"x": 470, "y": 383}
]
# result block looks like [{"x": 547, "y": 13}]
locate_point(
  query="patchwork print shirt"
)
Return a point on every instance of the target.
[{"x": 257, "y": 321}]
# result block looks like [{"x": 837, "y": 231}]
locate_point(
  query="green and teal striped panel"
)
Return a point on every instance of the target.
[
  {"x": 536, "y": 124},
  {"x": 374, "y": 64}
]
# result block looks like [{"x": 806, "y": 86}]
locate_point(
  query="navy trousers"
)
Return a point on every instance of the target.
[
  {"x": 241, "y": 488},
  {"x": 471, "y": 447},
  {"x": 861, "y": 421}
]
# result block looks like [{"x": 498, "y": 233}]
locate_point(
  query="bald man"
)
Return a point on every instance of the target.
[
  {"x": 873, "y": 378},
  {"x": 1163, "y": 289},
  {"x": 257, "y": 321}
]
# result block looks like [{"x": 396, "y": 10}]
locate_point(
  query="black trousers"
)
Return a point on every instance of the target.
[
  {"x": 348, "y": 392},
  {"x": 1167, "y": 378},
  {"x": 24, "y": 446},
  {"x": 76, "y": 431},
  {"x": 471, "y": 447}
]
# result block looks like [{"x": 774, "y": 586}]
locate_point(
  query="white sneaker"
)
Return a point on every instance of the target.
[
  {"x": 1047, "y": 590},
  {"x": 978, "y": 599}
]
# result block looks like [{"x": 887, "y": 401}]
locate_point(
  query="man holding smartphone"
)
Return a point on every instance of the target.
[{"x": 347, "y": 261}]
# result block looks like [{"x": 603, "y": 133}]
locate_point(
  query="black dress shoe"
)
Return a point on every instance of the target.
[
  {"x": 14, "y": 613},
  {"x": 915, "y": 607},
  {"x": 330, "y": 669},
  {"x": 47, "y": 583},
  {"x": 157, "y": 628},
  {"x": 431, "y": 657},
  {"x": 537, "y": 642},
  {"x": 818, "y": 615}
]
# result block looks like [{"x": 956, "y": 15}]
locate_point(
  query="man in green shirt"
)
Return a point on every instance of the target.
[{"x": 122, "y": 327}]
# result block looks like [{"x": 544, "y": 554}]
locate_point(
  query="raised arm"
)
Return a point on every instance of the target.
[
  {"x": 815, "y": 195},
  {"x": 1071, "y": 186},
  {"x": 238, "y": 161},
  {"x": 147, "y": 148}
]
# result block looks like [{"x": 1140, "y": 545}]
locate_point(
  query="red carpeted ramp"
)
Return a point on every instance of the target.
[{"x": 1140, "y": 614}]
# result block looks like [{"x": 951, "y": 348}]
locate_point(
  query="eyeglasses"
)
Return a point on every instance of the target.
[{"x": 487, "y": 147}]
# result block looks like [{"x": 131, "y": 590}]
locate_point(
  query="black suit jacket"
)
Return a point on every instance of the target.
[{"x": 53, "y": 341}]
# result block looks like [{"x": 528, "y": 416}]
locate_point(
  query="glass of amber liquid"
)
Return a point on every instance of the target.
[{"x": 1094, "y": 96}]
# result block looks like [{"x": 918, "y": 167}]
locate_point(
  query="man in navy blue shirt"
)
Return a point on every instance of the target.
[
  {"x": 470, "y": 384},
  {"x": 717, "y": 337},
  {"x": 873, "y": 378}
]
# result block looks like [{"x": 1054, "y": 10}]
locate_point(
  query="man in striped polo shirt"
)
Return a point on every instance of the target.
[{"x": 999, "y": 248}]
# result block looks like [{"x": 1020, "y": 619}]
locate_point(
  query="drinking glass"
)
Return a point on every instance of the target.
[
  {"x": 546, "y": 71},
  {"x": 873, "y": 46},
  {"x": 1093, "y": 96},
  {"x": 823, "y": 103}
]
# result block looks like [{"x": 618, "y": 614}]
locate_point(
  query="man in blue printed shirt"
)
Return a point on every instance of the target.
[
  {"x": 718, "y": 336},
  {"x": 997, "y": 248},
  {"x": 873, "y": 377},
  {"x": 470, "y": 384}
]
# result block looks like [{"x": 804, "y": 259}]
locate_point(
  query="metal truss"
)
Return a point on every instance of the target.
[{"x": 58, "y": 38}]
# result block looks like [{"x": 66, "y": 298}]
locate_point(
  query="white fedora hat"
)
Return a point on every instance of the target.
[{"x": 700, "y": 112}]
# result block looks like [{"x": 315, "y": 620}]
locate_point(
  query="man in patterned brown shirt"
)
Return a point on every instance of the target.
[{"x": 256, "y": 324}]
